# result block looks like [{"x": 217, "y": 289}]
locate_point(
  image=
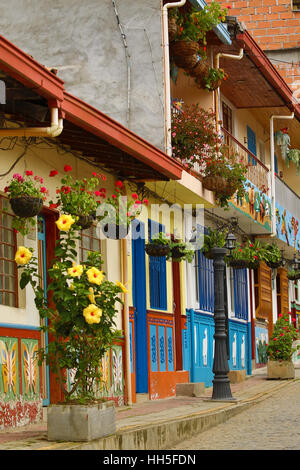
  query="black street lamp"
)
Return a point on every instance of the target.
[{"x": 221, "y": 383}]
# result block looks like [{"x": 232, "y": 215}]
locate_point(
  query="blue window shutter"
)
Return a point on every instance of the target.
[
  {"x": 251, "y": 139},
  {"x": 276, "y": 165},
  {"x": 157, "y": 273},
  {"x": 206, "y": 282},
  {"x": 240, "y": 293}
]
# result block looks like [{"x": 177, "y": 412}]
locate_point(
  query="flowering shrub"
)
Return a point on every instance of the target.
[
  {"x": 194, "y": 136},
  {"x": 81, "y": 320},
  {"x": 280, "y": 347}
]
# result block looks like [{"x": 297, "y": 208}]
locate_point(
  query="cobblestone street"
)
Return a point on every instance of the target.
[{"x": 273, "y": 424}]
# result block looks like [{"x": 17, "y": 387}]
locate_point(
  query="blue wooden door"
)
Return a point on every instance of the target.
[
  {"x": 251, "y": 139},
  {"x": 140, "y": 304}
]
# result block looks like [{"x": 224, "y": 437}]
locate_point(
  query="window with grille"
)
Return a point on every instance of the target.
[
  {"x": 296, "y": 5},
  {"x": 239, "y": 293},
  {"x": 157, "y": 273},
  {"x": 89, "y": 241},
  {"x": 8, "y": 248}
]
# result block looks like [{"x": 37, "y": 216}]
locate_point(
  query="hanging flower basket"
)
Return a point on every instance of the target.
[
  {"x": 238, "y": 263},
  {"x": 173, "y": 28},
  {"x": 293, "y": 275},
  {"x": 26, "y": 206},
  {"x": 85, "y": 221},
  {"x": 253, "y": 264},
  {"x": 184, "y": 53},
  {"x": 274, "y": 264},
  {"x": 155, "y": 249},
  {"x": 177, "y": 254},
  {"x": 115, "y": 232},
  {"x": 214, "y": 183},
  {"x": 200, "y": 70},
  {"x": 208, "y": 254}
]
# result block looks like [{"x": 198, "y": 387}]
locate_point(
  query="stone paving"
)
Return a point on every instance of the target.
[{"x": 170, "y": 416}]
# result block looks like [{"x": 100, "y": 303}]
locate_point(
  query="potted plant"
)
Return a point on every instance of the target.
[
  {"x": 214, "y": 238},
  {"x": 193, "y": 25},
  {"x": 78, "y": 197},
  {"x": 247, "y": 255},
  {"x": 180, "y": 251},
  {"x": 82, "y": 328},
  {"x": 282, "y": 139},
  {"x": 225, "y": 175},
  {"x": 293, "y": 275},
  {"x": 212, "y": 80},
  {"x": 26, "y": 196},
  {"x": 280, "y": 349},
  {"x": 159, "y": 245},
  {"x": 118, "y": 212},
  {"x": 272, "y": 256}
]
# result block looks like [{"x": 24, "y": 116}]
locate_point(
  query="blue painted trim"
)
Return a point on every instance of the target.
[
  {"x": 220, "y": 30},
  {"x": 193, "y": 359},
  {"x": 249, "y": 362},
  {"x": 19, "y": 327}
]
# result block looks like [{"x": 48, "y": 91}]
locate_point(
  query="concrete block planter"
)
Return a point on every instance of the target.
[
  {"x": 72, "y": 422},
  {"x": 280, "y": 370}
]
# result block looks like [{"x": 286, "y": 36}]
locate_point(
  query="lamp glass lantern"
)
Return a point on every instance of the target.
[{"x": 230, "y": 242}]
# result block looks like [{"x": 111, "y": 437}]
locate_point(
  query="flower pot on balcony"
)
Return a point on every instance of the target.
[
  {"x": 280, "y": 370},
  {"x": 26, "y": 206},
  {"x": 75, "y": 423},
  {"x": 238, "y": 263}
]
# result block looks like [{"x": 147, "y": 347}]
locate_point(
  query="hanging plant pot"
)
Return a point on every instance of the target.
[
  {"x": 85, "y": 221},
  {"x": 155, "y": 249},
  {"x": 208, "y": 254},
  {"x": 177, "y": 254},
  {"x": 173, "y": 28},
  {"x": 238, "y": 263},
  {"x": 274, "y": 264},
  {"x": 184, "y": 53},
  {"x": 293, "y": 275},
  {"x": 253, "y": 264},
  {"x": 26, "y": 206},
  {"x": 215, "y": 183},
  {"x": 115, "y": 232},
  {"x": 200, "y": 70}
]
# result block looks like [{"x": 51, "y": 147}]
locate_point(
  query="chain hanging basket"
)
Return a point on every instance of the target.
[
  {"x": 184, "y": 53},
  {"x": 293, "y": 276},
  {"x": 200, "y": 70},
  {"x": 274, "y": 264},
  {"x": 85, "y": 221},
  {"x": 177, "y": 254},
  {"x": 238, "y": 263},
  {"x": 214, "y": 183},
  {"x": 156, "y": 249},
  {"x": 26, "y": 206}
]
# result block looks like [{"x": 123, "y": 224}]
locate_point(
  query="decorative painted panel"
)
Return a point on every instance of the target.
[
  {"x": 161, "y": 338},
  {"x": 261, "y": 341},
  {"x": 30, "y": 369},
  {"x": 256, "y": 205},
  {"x": 162, "y": 348},
  {"x": 170, "y": 352},
  {"x": 117, "y": 370},
  {"x": 153, "y": 348},
  {"x": 287, "y": 227},
  {"x": 9, "y": 368},
  {"x": 238, "y": 343}
]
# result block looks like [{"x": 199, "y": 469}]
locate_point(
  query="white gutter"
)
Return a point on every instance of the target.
[
  {"x": 166, "y": 56},
  {"x": 217, "y": 65},
  {"x": 54, "y": 130},
  {"x": 272, "y": 169}
]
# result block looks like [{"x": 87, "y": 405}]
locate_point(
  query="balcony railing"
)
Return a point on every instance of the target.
[
  {"x": 287, "y": 198},
  {"x": 257, "y": 172}
]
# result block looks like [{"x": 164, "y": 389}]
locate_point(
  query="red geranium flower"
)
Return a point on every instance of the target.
[
  {"x": 29, "y": 172},
  {"x": 134, "y": 196},
  {"x": 67, "y": 168},
  {"x": 119, "y": 184},
  {"x": 53, "y": 173}
]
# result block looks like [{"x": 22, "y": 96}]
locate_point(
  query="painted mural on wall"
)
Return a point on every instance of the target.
[
  {"x": 261, "y": 341},
  {"x": 255, "y": 204},
  {"x": 287, "y": 227}
]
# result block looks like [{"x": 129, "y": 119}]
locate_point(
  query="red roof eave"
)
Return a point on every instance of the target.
[
  {"x": 263, "y": 63},
  {"x": 21, "y": 66}
]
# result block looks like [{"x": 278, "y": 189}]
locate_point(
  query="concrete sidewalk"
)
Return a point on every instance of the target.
[{"x": 157, "y": 424}]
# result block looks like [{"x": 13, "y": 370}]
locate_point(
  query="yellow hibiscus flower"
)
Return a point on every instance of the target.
[
  {"x": 75, "y": 271},
  {"x": 95, "y": 276},
  {"x": 123, "y": 288},
  {"x": 92, "y": 314},
  {"x": 65, "y": 222},
  {"x": 23, "y": 255}
]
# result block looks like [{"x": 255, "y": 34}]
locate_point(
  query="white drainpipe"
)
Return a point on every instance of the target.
[
  {"x": 217, "y": 65},
  {"x": 166, "y": 55},
  {"x": 272, "y": 169},
  {"x": 54, "y": 130}
]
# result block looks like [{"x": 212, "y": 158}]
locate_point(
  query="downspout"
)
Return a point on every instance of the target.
[
  {"x": 126, "y": 322},
  {"x": 166, "y": 56},
  {"x": 217, "y": 66},
  {"x": 54, "y": 130},
  {"x": 272, "y": 169}
]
